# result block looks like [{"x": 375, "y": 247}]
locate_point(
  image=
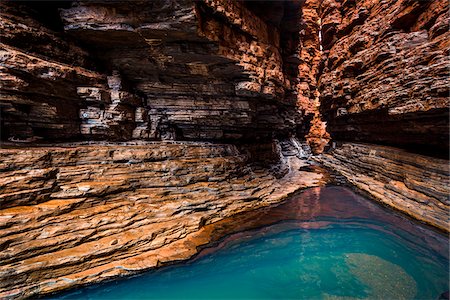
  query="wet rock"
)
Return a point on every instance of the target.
[
  {"x": 81, "y": 214},
  {"x": 246, "y": 74},
  {"x": 414, "y": 184}
]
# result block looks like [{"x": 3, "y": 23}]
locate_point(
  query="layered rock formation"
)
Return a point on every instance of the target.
[
  {"x": 248, "y": 77},
  {"x": 310, "y": 56},
  {"x": 81, "y": 214},
  {"x": 145, "y": 70},
  {"x": 40, "y": 70},
  {"x": 385, "y": 77},
  {"x": 414, "y": 184},
  {"x": 309, "y": 71},
  {"x": 383, "y": 80},
  {"x": 188, "y": 70}
]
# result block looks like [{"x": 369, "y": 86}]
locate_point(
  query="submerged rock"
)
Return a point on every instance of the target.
[
  {"x": 384, "y": 279},
  {"x": 227, "y": 91}
]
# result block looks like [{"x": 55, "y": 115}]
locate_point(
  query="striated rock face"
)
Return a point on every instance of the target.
[
  {"x": 384, "y": 80},
  {"x": 236, "y": 84},
  {"x": 385, "y": 77},
  {"x": 216, "y": 70},
  {"x": 310, "y": 56},
  {"x": 81, "y": 214},
  {"x": 318, "y": 137},
  {"x": 180, "y": 70},
  {"x": 309, "y": 72},
  {"x": 40, "y": 71},
  {"x": 414, "y": 184}
]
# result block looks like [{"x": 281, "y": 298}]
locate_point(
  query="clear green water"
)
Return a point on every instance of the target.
[{"x": 326, "y": 243}]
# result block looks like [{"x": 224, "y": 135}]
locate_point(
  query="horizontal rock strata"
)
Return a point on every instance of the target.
[
  {"x": 239, "y": 73},
  {"x": 385, "y": 77},
  {"x": 40, "y": 70},
  {"x": 83, "y": 214},
  {"x": 414, "y": 184},
  {"x": 189, "y": 70}
]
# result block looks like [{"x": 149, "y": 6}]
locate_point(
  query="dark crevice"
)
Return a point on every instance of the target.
[{"x": 47, "y": 12}]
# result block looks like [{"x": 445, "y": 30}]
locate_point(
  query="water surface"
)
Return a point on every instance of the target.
[{"x": 324, "y": 243}]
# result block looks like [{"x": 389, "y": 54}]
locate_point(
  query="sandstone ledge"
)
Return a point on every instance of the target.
[
  {"x": 414, "y": 184},
  {"x": 87, "y": 213}
]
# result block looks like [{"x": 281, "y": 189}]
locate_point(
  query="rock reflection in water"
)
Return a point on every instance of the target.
[
  {"x": 324, "y": 243},
  {"x": 320, "y": 207}
]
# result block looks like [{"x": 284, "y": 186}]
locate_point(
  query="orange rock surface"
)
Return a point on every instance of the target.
[{"x": 83, "y": 214}]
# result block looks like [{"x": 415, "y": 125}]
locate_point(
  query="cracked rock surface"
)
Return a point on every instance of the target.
[{"x": 82, "y": 214}]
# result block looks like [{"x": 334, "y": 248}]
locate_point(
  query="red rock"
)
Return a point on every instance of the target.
[
  {"x": 386, "y": 71},
  {"x": 242, "y": 81},
  {"x": 414, "y": 184},
  {"x": 140, "y": 205}
]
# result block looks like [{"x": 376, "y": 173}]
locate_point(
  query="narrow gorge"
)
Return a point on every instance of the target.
[{"x": 131, "y": 131}]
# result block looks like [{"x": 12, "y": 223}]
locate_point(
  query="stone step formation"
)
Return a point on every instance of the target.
[
  {"x": 193, "y": 71},
  {"x": 82, "y": 214}
]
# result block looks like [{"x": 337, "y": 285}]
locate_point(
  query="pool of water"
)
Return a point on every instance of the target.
[{"x": 324, "y": 243}]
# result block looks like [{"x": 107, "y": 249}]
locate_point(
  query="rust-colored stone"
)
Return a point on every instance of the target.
[
  {"x": 91, "y": 212},
  {"x": 385, "y": 77}
]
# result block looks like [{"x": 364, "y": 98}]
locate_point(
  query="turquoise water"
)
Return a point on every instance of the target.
[{"x": 326, "y": 243}]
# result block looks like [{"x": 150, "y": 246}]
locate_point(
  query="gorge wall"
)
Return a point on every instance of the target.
[
  {"x": 385, "y": 76},
  {"x": 383, "y": 80},
  {"x": 130, "y": 128},
  {"x": 82, "y": 214},
  {"x": 171, "y": 70}
]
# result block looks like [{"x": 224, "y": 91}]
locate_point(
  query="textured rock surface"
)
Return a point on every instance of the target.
[
  {"x": 414, "y": 184},
  {"x": 385, "y": 78},
  {"x": 40, "y": 71},
  {"x": 309, "y": 71},
  {"x": 318, "y": 137},
  {"x": 189, "y": 70},
  {"x": 208, "y": 69},
  {"x": 242, "y": 72},
  {"x": 310, "y": 56},
  {"x": 81, "y": 214},
  {"x": 143, "y": 70}
]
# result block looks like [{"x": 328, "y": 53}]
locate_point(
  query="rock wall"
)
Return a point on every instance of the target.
[
  {"x": 187, "y": 70},
  {"x": 310, "y": 56},
  {"x": 239, "y": 72},
  {"x": 74, "y": 71},
  {"x": 413, "y": 184},
  {"x": 40, "y": 71},
  {"x": 82, "y": 214},
  {"x": 385, "y": 77},
  {"x": 383, "y": 80}
]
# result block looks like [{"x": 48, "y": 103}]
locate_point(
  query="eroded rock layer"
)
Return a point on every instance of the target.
[
  {"x": 141, "y": 70},
  {"x": 171, "y": 70},
  {"x": 82, "y": 214},
  {"x": 414, "y": 184},
  {"x": 385, "y": 78},
  {"x": 40, "y": 70},
  {"x": 237, "y": 72}
]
